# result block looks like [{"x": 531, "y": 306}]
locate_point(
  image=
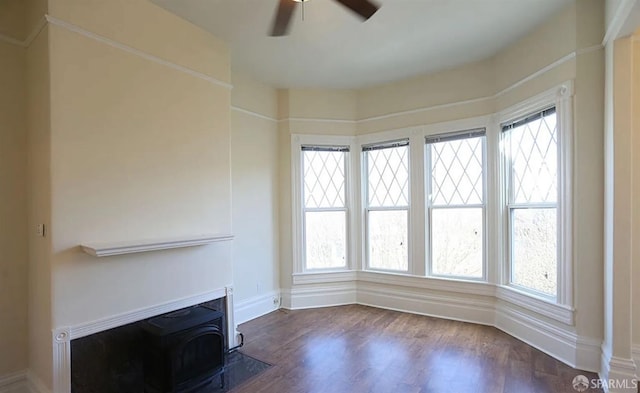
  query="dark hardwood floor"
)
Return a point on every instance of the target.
[{"x": 364, "y": 349}]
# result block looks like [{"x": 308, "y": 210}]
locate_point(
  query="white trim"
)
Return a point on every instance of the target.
[
  {"x": 130, "y": 247},
  {"x": 35, "y": 384},
  {"x": 318, "y": 120},
  {"x": 11, "y": 41},
  {"x": 256, "y": 306},
  {"x": 470, "y": 287},
  {"x": 550, "y": 339},
  {"x": 550, "y": 96},
  {"x": 252, "y": 113},
  {"x": 232, "y": 326},
  {"x": 297, "y": 206},
  {"x": 319, "y": 295},
  {"x": 76, "y": 29},
  {"x": 619, "y": 370},
  {"x": 589, "y": 49},
  {"x": 618, "y": 21},
  {"x": 61, "y": 339},
  {"x": 472, "y": 309},
  {"x": 635, "y": 354},
  {"x": 536, "y": 74},
  {"x": 15, "y": 382},
  {"x": 62, "y": 336},
  {"x": 541, "y": 306},
  {"x": 426, "y": 109},
  {"x": 88, "y": 328},
  {"x": 324, "y": 277}
]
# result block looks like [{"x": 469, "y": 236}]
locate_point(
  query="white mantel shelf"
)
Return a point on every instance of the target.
[{"x": 130, "y": 247}]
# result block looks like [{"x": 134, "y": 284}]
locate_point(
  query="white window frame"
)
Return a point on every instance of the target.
[
  {"x": 430, "y": 207},
  {"x": 562, "y": 98},
  {"x": 366, "y": 208},
  {"x": 297, "y": 200}
]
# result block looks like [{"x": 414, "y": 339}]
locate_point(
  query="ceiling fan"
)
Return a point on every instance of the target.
[{"x": 282, "y": 20}]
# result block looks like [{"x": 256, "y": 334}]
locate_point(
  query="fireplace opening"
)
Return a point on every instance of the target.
[
  {"x": 184, "y": 350},
  {"x": 113, "y": 361}
]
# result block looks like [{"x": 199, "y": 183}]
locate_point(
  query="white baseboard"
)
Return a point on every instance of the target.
[
  {"x": 14, "y": 383},
  {"x": 319, "y": 295},
  {"x": 22, "y": 382},
  {"x": 635, "y": 354},
  {"x": 577, "y": 352},
  {"x": 460, "y": 308},
  {"x": 622, "y": 373},
  {"x": 35, "y": 384},
  {"x": 256, "y": 306}
]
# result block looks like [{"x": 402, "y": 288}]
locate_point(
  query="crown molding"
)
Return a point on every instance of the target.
[
  {"x": 252, "y": 113},
  {"x": 425, "y": 109},
  {"x": 10, "y": 40},
  {"x": 319, "y": 120},
  {"x": 618, "y": 20}
]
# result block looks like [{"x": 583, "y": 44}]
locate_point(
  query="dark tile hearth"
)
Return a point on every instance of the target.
[{"x": 240, "y": 369}]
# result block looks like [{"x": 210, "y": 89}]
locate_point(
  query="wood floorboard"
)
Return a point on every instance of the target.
[{"x": 360, "y": 349}]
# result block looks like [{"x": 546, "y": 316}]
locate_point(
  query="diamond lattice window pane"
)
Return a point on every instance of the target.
[
  {"x": 534, "y": 161},
  {"x": 456, "y": 172},
  {"x": 388, "y": 177},
  {"x": 324, "y": 179}
]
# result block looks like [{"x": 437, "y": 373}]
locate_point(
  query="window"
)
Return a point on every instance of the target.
[
  {"x": 324, "y": 206},
  {"x": 455, "y": 203},
  {"x": 387, "y": 205},
  {"x": 531, "y": 169}
]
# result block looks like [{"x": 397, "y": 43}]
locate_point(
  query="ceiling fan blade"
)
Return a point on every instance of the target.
[
  {"x": 283, "y": 18},
  {"x": 364, "y": 8}
]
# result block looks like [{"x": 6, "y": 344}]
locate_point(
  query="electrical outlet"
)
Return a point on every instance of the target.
[
  {"x": 276, "y": 301},
  {"x": 40, "y": 230}
]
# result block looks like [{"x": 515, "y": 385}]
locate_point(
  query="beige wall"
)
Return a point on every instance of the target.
[
  {"x": 463, "y": 86},
  {"x": 588, "y": 187},
  {"x": 39, "y": 199},
  {"x": 13, "y": 208},
  {"x": 255, "y": 192},
  {"x": 13, "y": 19},
  {"x": 636, "y": 192},
  {"x": 143, "y": 153}
]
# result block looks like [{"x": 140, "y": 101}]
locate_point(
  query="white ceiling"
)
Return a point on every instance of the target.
[{"x": 332, "y": 48}]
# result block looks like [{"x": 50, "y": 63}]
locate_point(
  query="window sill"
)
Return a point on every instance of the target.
[
  {"x": 531, "y": 302},
  {"x": 324, "y": 276}
]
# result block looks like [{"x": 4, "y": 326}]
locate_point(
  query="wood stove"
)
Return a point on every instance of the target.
[{"x": 184, "y": 350}]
